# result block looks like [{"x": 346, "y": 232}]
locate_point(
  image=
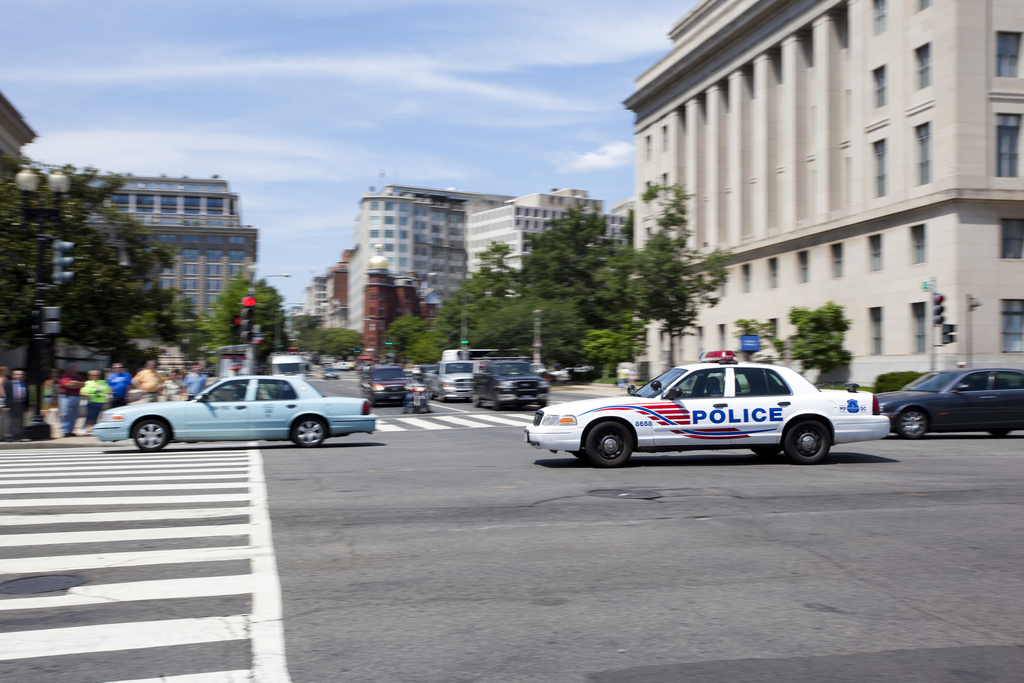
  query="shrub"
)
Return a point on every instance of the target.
[{"x": 894, "y": 381}]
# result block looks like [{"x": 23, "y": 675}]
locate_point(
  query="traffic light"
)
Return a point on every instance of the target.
[
  {"x": 937, "y": 309},
  {"x": 51, "y": 319},
  {"x": 236, "y": 326},
  {"x": 948, "y": 334},
  {"x": 248, "y": 311},
  {"x": 61, "y": 260}
]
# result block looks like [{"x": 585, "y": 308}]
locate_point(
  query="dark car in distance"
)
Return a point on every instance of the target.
[
  {"x": 990, "y": 400},
  {"x": 383, "y": 384},
  {"x": 509, "y": 383}
]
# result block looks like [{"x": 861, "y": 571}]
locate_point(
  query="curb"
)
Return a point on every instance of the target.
[{"x": 74, "y": 442}]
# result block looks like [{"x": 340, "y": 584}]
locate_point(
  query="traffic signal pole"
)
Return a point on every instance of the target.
[{"x": 931, "y": 335}]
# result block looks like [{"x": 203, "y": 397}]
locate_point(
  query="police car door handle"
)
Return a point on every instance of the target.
[
  {"x": 239, "y": 407},
  {"x": 783, "y": 403},
  {"x": 721, "y": 405},
  {"x": 291, "y": 405}
]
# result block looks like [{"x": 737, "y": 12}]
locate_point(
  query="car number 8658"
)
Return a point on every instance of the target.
[{"x": 644, "y": 423}]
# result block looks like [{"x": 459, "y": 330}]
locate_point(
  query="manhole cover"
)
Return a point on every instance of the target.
[
  {"x": 625, "y": 493},
  {"x": 41, "y": 584}
]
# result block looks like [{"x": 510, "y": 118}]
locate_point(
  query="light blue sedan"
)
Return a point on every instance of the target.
[{"x": 240, "y": 409}]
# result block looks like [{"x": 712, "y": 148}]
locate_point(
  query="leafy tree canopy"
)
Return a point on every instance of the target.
[{"x": 818, "y": 342}]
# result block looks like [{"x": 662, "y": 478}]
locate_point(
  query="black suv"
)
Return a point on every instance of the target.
[
  {"x": 383, "y": 384},
  {"x": 509, "y": 383}
]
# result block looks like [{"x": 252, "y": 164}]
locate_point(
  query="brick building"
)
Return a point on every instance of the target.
[{"x": 387, "y": 297}]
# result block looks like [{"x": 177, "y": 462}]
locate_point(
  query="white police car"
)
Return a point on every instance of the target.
[{"x": 724, "y": 404}]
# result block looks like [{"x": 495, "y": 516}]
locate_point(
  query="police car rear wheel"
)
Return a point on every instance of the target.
[
  {"x": 807, "y": 443},
  {"x": 609, "y": 444}
]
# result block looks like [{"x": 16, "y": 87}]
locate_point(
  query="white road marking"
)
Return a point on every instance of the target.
[
  {"x": 125, "y": 487},
  {"x": 142, "y": 558},
  {"x": 123, "y": 478},
  {"x": 422, "y": 424},
  {"x": 114, "y": 469},
  {"x": 130, "y": 456},
  {"x": 386, "y": 427},
  {"x": 114, "y": 535},
  {"x": 132, "y": 516},
  {"x": 441, "y": 405},
  {"x": 460, "y": 421},
  {"x": 237, "y": 676},
  {"x": 138, "y": 500},
  {"x": 139, "y": 635},
  {"x": 169, "y": 589},
  {"x": 498, "y": 420}
]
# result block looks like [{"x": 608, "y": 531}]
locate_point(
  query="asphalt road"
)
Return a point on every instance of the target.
[
  {"x": 444, "y": 549},
  {"x": 464, "y": 555}
]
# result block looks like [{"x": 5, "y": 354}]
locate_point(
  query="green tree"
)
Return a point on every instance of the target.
[
  {"x": 608, "y": 348},
  {"x": 818, "y": 342},
  {"x": 111, "y": 297},
  {"x": 402, "y": 331},
  {"x": 337, "y": 341},
  {"x": 767, "y": 332},
  {"x": 426, "y": 347},
  {"x": 305, "y": 328},
  {"x": 675, "y": 280}
]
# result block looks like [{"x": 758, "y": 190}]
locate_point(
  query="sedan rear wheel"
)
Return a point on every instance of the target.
[
  {"x": 151, "y": 435},
  {"x": 309, "y": 432},
  {"x": 912, "y": 423}
]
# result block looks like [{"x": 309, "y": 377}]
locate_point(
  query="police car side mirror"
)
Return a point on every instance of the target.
[
  {"x": 631, "y": 390},
  {"x": 673, "y": 393},
  {"x": 656, "y": 385}
]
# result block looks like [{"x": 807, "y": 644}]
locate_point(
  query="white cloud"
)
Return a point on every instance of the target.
[{"x": 611, "y": 155}]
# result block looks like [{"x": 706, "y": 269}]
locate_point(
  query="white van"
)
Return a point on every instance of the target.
[{"x": 286, "y": 364}]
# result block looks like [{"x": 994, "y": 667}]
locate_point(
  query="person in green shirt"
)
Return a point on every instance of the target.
[{"x": 97, "y": 392}]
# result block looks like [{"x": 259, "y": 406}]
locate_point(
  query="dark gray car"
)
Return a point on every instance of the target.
[{"x": 989, "y": 400}]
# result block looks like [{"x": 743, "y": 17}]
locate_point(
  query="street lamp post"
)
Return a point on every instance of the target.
[
  {"x": 536, "y": 335},
  {"x": 28, "y": 182},
  {"x": 277, "y": 327}
]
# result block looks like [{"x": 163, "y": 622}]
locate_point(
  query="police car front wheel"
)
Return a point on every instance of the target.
[
  {"x": 807, "y": 443},
  {"x": 609, "y": 444}
]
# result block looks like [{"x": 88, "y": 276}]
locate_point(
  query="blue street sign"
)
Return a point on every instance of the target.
[{"x": 750, "y": 342}]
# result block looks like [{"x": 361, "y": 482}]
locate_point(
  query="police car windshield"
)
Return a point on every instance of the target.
[
  {"x": 933, "y": 382},
  {"x": 666, "y": 380}
]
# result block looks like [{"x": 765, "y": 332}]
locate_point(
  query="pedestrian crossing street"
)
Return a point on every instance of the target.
[
  {"x": 174, "y": 549},
  {"x": 434, "y": 421}
]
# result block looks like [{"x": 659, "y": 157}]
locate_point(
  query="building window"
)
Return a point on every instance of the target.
[
  {"x": 746, "y": 277},
  {"x": 191, "y": 205},
  {"x": 374, "y": 206},
  {"x": 389, "y": 234},
  {"x": 403, "y": 220},
  {"x": 214, "y": 254},
  {"x": 167, "y": 238},
  {"x": 190, "y": 254},
  {"x": 1013, "y": 239},
  {"x": 214, "y": 206},
  {"x": 880, "y": 90},
  {"x": 234, "y": 255},
  {"x": 837, "y": 259},
  {"x": 121, "y": 199},
  {"x": 389, "y": 247},
  {"x": 805, "y": 267},
  {"x": 1008, "y": 134},
  {"x": 213, "y": 239},
  {"x": 234, "y": 270},
  {"x": 876, "y": 331},
  {"x": 648, "y": 142},
  {"x": 374, "y": 234},
  {"x": 213, "y": 285},
  {"x": 389, "y": 206},
  {"x": 664, "y": 138},
  {"x": 168, "y": 205},
  {"x": 924, "y": 66},
  {"x": 880, "y": 188},
  {"x": 236, "y": 240},
  {"x": 190, "y": 284},
  {"x": 917, "y": 239},
  {"x": 773, "y": 273},
  {"x": 166, "y": 282},
  {"x": 923, "y": 4},
  {"x": 881, "y": 12},
  {"x": 190, "y": 298},
  {"x": 700, "y": 341},
  {"x": 924, "y": 153},
  {"x": 920, "y": 327},
  {"x": 875, "y": 247},
  {"x": 722, "y": 339},
  {"x": 213, "y": 269},
  {"x": 1007, "y": 54},
  {"x": 211, "y": 299},
  {"x": 1013, "y": 325},
  {"x": 389, "y": 220},
  {"x": 144, "y": 203},
  {"x": 190, "y": 238},
  {"x": 190, "y": 269}
]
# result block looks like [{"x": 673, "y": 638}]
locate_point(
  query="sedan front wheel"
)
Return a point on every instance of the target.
[
  {"x": 912, "y": 423},
  {"x": 309, "y": 432},
  {"x": 151, "y": 435}
]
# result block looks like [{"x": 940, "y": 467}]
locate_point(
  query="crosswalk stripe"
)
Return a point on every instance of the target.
[
  {"x": 241, "y": 474},
  {"x": 113, "y": 535},
  {"x": 460, "y": 421},
  {"x": 135, "y": 500},
  {"x": 124, "y": 487},
  {"x": 213, "y": 467},
  {"x": 422, "y": 424},
  {"x": 22, "y": 462},
  {"x": 126, "y": 455},
  {"x": 237, "y": 676},
  {"x": 499, "y": 420},
  {"x": 74, "y": 640},
  {"x": 168, "y": 589},
  {"x": 130, "y": 516},
  {"x": 387, "y": 427},
  {"x": 141, "y": 558}
]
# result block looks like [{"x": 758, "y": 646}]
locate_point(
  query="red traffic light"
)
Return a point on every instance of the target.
[
  {"x": 249, "y": 301},
  {"x": 939, "y": 298},
  {"x": 238, "y": 320}
]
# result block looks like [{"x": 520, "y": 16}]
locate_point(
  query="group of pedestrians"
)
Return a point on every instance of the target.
[{"x": 65, "y": 391}]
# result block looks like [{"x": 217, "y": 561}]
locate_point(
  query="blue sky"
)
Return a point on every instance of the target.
[{"x": 300, "y": 104}]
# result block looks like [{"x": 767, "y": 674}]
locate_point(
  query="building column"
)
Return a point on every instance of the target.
[
  {"x": 764, "y": 160},
  {"x": 695, "y": 169},
  {"x": 714, "y": 163},
  {"x": 794, "y": 120},
  {"x": 740, "y": 171},
  {"x": 826, "y": 97}
]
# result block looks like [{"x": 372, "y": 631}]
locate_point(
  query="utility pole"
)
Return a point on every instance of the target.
[
  {"x": 937, "y": 319},
  {"x": 972, "y": 303},
  {"x": 464, "y": 340},
  {"x": 536, "y": 335}
]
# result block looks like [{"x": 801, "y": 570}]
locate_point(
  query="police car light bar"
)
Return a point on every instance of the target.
[{"x": 721, "y": 357}]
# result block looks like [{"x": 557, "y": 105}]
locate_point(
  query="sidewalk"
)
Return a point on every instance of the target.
[{"x": 70, "y": 442}]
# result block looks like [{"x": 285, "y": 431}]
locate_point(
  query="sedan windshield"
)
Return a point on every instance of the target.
[
  {"x": 666, "y": 380},
  {"x": 452, "y": 368},
  {"x": 933, "y": 382}
]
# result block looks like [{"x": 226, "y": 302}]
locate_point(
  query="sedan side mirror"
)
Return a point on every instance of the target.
[
  {"x": 673, "y": 393},
  {"x": 203, "y": 398},
  {"x": 631, "y": 390},
  {"x": 963, "y": 386}
]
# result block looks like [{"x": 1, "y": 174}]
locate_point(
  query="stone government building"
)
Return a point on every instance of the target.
[{"x": 847, "y": 151}]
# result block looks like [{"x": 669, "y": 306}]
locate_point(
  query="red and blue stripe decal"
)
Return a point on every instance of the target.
[{"x": 669, "y": 414}]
